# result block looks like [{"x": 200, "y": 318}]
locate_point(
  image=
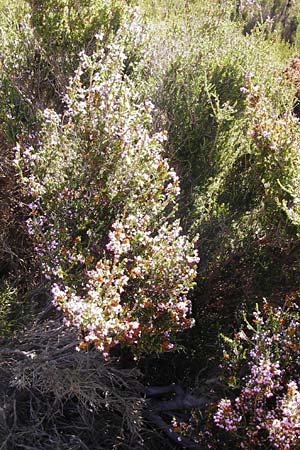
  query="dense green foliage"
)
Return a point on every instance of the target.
[
  {"x": 208, "y": 107},
  {"x": 99, "y": 100}
]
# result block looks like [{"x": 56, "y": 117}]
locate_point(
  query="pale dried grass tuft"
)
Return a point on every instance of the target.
[{"x": 54, "y": 397}]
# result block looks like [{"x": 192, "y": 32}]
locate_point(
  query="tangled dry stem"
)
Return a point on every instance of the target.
[{"x": 53, "y": 397}]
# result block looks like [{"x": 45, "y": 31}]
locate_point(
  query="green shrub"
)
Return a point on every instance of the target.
[
  {"x": 65, "y": 28},
  {"x": 251, "y": 203},
  {"x": 197, "y": 81},
  {"x": 198, "y": 88},
  {"x": 280, "y": 15},
  {"x": 7, "y": 306},
  {"x": 17, "y": 47},
  {"x": 16, "y": 36}
]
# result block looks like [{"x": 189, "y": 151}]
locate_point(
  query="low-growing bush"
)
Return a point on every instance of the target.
[
  {"x": 196, "y": 83},
  {"x": 63, "y": 29},
  {"x": 70, "y": 27},
  {"x": 282, "y": 16},
  {"x": 262, "y": 370},
  {"x": 252, "y": 201},
  {"x": 104, "y": 212}
]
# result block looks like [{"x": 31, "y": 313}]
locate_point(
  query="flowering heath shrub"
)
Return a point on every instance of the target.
[
  {"x": 266, "y": 411},
  {"x": 104, "y": 209}
]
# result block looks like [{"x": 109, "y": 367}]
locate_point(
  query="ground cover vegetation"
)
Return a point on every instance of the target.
[{"x": 135, "y": 136}]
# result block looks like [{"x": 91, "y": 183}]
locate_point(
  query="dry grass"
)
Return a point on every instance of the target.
[{"x": 54, "y": 397}]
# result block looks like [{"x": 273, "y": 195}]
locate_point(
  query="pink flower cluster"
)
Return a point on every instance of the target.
[{"x": 266, "y": 413}]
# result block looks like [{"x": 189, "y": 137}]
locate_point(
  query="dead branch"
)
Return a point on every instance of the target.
[
  {"x": 181, "y": 401},
  {"x": 180, "y": 440}
]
